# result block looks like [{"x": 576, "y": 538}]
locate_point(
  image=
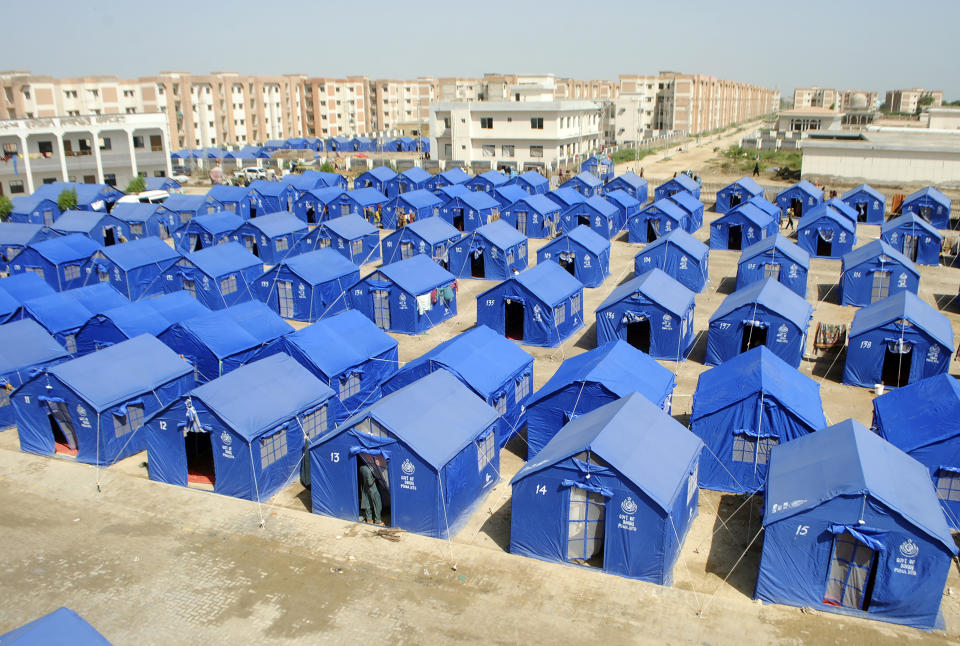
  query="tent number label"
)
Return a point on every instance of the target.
[
  {"x": 802, "y": 530},
  {"x": 724, "y": 326},
  {"x": 163, "y": 425},
  {"x": 334, "y": 457},
  {"x": 866, "y": 344},
  {"x": 542, "y": 490}
]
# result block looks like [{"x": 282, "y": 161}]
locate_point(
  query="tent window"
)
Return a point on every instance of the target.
[
  {"x": 132, "y": 421},
  {"x": 4, "y": 396},
  {"x": 136, "y": 229},
  {"x": 771, "y": 271},
  {"x": 486, "y": 449},
  {"x": 70, "y": 343},
  {"x": 692, "y": 484},
  {"x": 281, "y": 244},
  {"x": 501, "y": 404},
  {"x": 71, "y": 272},
  {"x": 521, "y": 388},
  {"x": 356, "y": 247},
  {"x": 509, "y": 256},
  {"x": 228, "y": 285},
  {"x": 574, "y": 304},
  {"x": 591, "y": 458},
  {"x": 349, "y": 385},
  {"x": 184, "y": 217},
  {"x": 272, "y": 448},
  {"x": 750, "y": 449},
  {"x": 948, "y": 486},
  {"x": 881, "y": 286},
  {"x": 850, "y": 567},
  {"x": 371, "y": 427},
  {"x": 314, "y": 423},
  {"x": 10, "y": 253},
  {"x": 34, "y": 270},
  {"x": 559, "y": 315}
]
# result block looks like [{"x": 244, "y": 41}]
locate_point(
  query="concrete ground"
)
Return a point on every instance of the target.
[{"x": 146, "y": 562}]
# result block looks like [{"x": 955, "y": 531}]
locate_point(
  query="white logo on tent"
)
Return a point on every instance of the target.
[
  {"x": 909, "y": 549},
  {"x": 407, "y": 467},
  {"x": 628, "y": 506}
]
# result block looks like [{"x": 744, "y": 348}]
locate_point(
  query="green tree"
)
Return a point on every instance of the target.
[
  {"x": 67, "y": 199},
  {"x": 327, "y": 167},
  {"x": 136, "y": 185},
  {"x": 6, "y": 205}
]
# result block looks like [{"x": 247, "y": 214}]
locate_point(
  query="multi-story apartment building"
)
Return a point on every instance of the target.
[
  {"x": 402, "y": 105},
  {"x": 831, "y": 99},
  {"x": 911, "y": 100}
]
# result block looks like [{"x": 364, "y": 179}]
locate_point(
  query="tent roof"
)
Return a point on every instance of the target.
[
  {"x": 848, "y": 460},
  {"x": 831, "y": 212},
  {"x": 268, "y": 187},
  {"x": 440, "y": 398},
  {"x": 601, "y": 206},
  {"x": 772, "y": 295},
  {"x": 134, "y": 211},
  {"x": 8, "y": 304},
  {"x": 62, "y": 626},
  {"x": 567, "y": 195},
  {"x": 326, "y": 194},
  {"x": 871, "y": 250},
  {"x": 864, "y": 188},
  {"x": 255, "y": 397},
  {"x": 223, "y": 259},
  {"x": 153, "y": 315},
  {"x": 751, "y": 212},
  {"x": 137, "y": 253},
  {"x": 77, "y": 221},
  {"x": 368, "y": 196},
  {"x": 350, "y": 226},
  {"x": 27, "y": 203},
  {"x": 416, "y": 174},
  {"x": 477, "y": 200},
  {"x": 622, "y": 198},
  {"x": 843, "y": 207},
  {"x": 540, "y": 204},
  {"x": 63, "y": 311},
  {"x": 117, "y": 373},
  {"x": 18, "y": 233},
  {"x": 618, "y": 366},
  {"x": 686, "y": 201},
  {"x": 501, "y": 234},
  {"x": 417, "y": 275},
  {"x": 683, "y": 240},
  {"x": 932, "y": 193},
  {"x": 159, "y": 183},
  {"x": 667, "y": 206},
  {"x": 455, "y": 175},
  {"x": 779, "y": 244},
  {"x": 806, "y": 187},
  {"x": 533, "y": 178},
  {"x": 342, "y": 341},
  {"x": 511, "y": 193},
  {"x": 659, "y": 287},
  {"x": 684, "y": 180},
  {"x": 455, "y": 190},
  {"x": 228, "y": 193},
  {"x": 279, "y": 223},
  {"x": 903, "y": 305},
  {"x": 420, "y": 199},
  {"x": 495, "y": 177},
  {"x": 329, "y": 179},
  {"x": 910, "y": 218},
  {"x": 758, "y": 370},
  {"x": 919, "y": 414},
  {"x": 24, "y": 287},
  {"x": 632, "y": 179},
  {"x": 655, "y": 456},
  {"x": 26, "y": 343},
  {"x": 433, "y": 230},
  {"x": 181, "y": 202},
  {"x": 589, "y": 239},
  {"x": 748, "y": 184},
  {"x": 235, "y": 329},
  {"x": 548, "y": 281},
  {"x": 587, "y": 178},
  {"x": 766, "y": 206},
  {"x": 382, "y": 173},
  {"x": 319, "y": 266}
]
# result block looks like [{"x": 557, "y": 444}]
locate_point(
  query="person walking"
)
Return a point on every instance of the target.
[
  {"x": 789, "y": 224},
  {"x": 756, "y": 169}
]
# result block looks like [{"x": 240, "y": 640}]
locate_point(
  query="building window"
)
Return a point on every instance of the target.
[
  {"x": 486, "y": 450},
  {"x": 746, "y": 447},
  {"x": 536, "y": 123},
  {"x": 314, "y": 423},
  {"x": 536, "y": 151},
  {"x": 71, "y": 272},
  {"x": 446, "y": 122},
  {"x": 228, "y": 285},
  {"x": 105, "y": 143},
  {"x": 948, "y": 485},
  {"x": 489, "y": 150},
  {"x": 272, "y": 448},
  {"x": 45, "y": 148},
  {"x": 124, "y": 424},
  {"x": 15, "y": 186},
  {"x": 507, "y": 150},
  {"x": 110, "y": 179},
  {"x": 486, "y": 122},
  {"x": 137, "y": 141},
  {"x": 349, "y": 385}
]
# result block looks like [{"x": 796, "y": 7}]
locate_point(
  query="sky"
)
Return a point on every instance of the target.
[{"x": 867, "y": 44}]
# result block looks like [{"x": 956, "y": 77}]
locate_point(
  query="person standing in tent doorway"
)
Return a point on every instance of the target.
[{"x": 370, "y": 503}]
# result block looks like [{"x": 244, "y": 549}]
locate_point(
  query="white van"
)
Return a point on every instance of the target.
[{"x": 146, "y": 197}]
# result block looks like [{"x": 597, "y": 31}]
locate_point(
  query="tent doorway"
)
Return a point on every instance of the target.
[
  {"x": 381, "y": 308},
  {"x": 477, "y": 269},
  {"x": 853, "y": 571},
  {"x": 311, "y": 215},
  {"x": 163, "y": 230},
  {"x": 735, "y": 237},
  {"x": 897, "y": 357},
  {"x": 109, "y": 237},
  {"x": 924, "y": 212},
  {"x": 285, "y": 298},
  {"x": 199, "y": 452},
  {"x": 797, "y": 205},
  {"x": 584, "y": 220},
  {"x": 861, "y": 208},
  {"x": 250, "y": 242},
  {"x": 585, "y": 524},
  {"x": 569, "y": 262},
  {"x": 190, "y": 287},
  {"x": 522, "y": 222},
  {"x": 638, "y": 335},
  {"x": 458, "y": 219},
  {"x": 653, "y": 232},
  {"x": 253, "y": 210},
  {"x": 735, "y": 199},
  {"x": 513, "y": 320},
  {"x": 406, "y": 250},
  {"x": 753, "y": 337},
  {"x": 373, "y": 489},
  {"x": 196, "y": 243},
  {"x": 61, "y": 425},
  {"x": 824, "y": 246},
  {"x": 910, "y": 246}
]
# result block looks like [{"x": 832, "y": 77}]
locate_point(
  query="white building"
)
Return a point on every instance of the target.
[
  {"x": 94, "y": 149},
  {"x": 516, "y": 134},
  {"x": 808, "y": 119}
]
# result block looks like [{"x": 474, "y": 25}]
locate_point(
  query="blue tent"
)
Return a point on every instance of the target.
[
  {"x": 931, "y": 205},
  {"x": 320, "y": 204},
  {"x": 429, "y": 481},
  {"x": 762, "y": 313},
  {"x": 897, "y": 341},
  {"x": 922, "y": 420},
  {"x": 682, "y": 182},
  {"x": 150, "y": 316},
  {"x": 206, "y": 231},
  {"x": 218, "y": 277},
  {"x": 566, "y": 196},
  {"x": 219, "y": 341},
  {"x": 135, "y": 268},
  {"x": 487, "y": 182},
  {"x": 468, "y": 211},
  {"x": 450, "y": 191},
  {"x": 430, "y": 236},
  {"x": 843, "y": 209},
  {"x": 59, "y": 261},
  {"x": 767, "y": 207},
  {"x": 585, "y": 183},
  {"x": 34, "y": 209},
  {"x": 303, "y": 182},
  {"x": 532, "y": 182},
  {"x": 868, "y": 203},
  {"x": 826, "y": 233},
  {"x": 412, "y": 179},
  {"x": 874, "y": 271},
  {"x": 365, "y": 202},
  {"x": 363, "y": 144},
  {"x": 630, "y": 183},
  {"x": 581, "y": 252},
  {"x": 681, "y": 256},
  {"x": 25, "y": 349},
  {"x": 273, "y": 144},
  {"x": 778, "y": 258},
  {"x": 24, "y": 287},
  {"x": 736, "y": 193},
  {"x": 852, "y": 525},
  {"x": 161, "y": 184},
  {"x": 744, "y": 407},
  {"x": 496, "y": 369},
  {"x": 270, "y": 237},
  {"x": 333, "y": 180},
  {"x": 296, "y": 143},
  {"x": 401, "y": 145},
  {"x": 535, "y": 216},
  {"x": 62, "y": 626},
  {"x": 379, "y": 178},
  {"x": 94, "y": 406},
  {"x": 62, "y": 314},
  {"x": 234, "y": 199},
  {"x": 652, "y": 312},
  {"x": 914, "y": 237},
  {"x": 505, "y": 195},
  {"x": 600, "y": 167},
  {"x": 741, "y": 227},
  {"x": 10, "y": 308},
  {"x": 590, "y": 380},
  {"x": 610, "y": 493},
  {"x": 449, "y": 177},
  {"x": 406, "y": 297},
  {"x": 594, "y": 212},
  {"x": 692, "y": 206},
  {"x": 655, "y": 220},
  {"x": 269, "y": 197},
  {"x": 625, "y": 204},
  {"x": 347, "y": 352},
  {"x": 541, "y": 306},
  {"x": 410, "y": 206},
  {"x": 351, "y": 236},
  {"x": 802, "y": 197},
  {"x": 177, "y": 210},
  {"x": 14, "y": 238},
  {"x": 90, "y": 197},
  {"x": 244, "y": 432},
  {"x": 492, "y": 252},
  {"x": 141, "y": 220},
  {"x": 102, "y": 228},
  {"x": 337, "y": 144},
  {"x": 309, "y": 286}
]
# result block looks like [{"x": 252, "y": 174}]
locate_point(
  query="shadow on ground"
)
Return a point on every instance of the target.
[{"x": 737, "y": 524}]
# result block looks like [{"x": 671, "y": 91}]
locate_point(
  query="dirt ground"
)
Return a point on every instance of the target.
[{"x": 152, "y": 563}]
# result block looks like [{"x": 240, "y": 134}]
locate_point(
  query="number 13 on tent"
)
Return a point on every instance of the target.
[{"x": 334, "y": 457}]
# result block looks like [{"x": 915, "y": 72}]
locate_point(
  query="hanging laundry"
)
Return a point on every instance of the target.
[
  {"x": 830, "y": 336},
  {"x": 433, "y": 296},
  {"x": 423, "y": 304}
]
